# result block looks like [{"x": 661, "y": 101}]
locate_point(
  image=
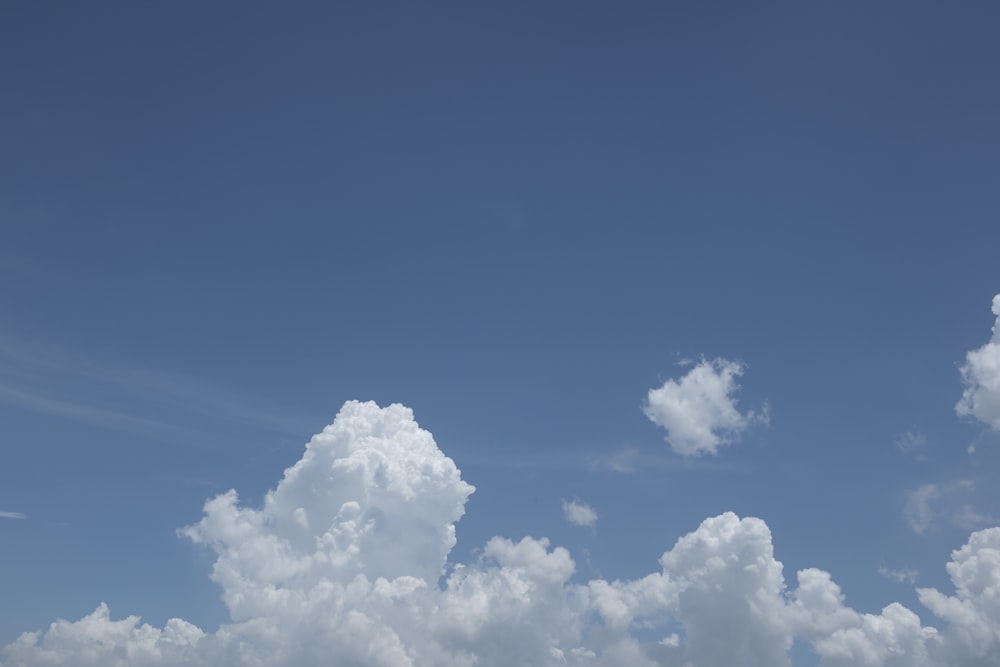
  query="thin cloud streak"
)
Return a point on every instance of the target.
[
  {"x": 98, "y": 416},
  {"x": 13, "y": 515},
  {"x": 52, "y": 381},
  {"x": 630, "y": 460}
]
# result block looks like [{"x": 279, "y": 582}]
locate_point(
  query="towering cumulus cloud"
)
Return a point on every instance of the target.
[
  {"x": 372, "y": 496},
  {"x": 341, "y": 566},
  {"x": 981, "y": 377}
]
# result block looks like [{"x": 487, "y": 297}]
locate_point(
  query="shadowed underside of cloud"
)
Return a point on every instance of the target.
[
  {"x": 341, "y": 565},
  {"x": 981, "y": 377}
]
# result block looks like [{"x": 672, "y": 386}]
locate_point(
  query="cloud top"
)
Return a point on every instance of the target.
[
  {"x": 699, "y": 410},
  {"x": 981, "y": 378}
]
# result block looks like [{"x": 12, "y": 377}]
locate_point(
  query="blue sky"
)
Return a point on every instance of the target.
[{"x": 219, "y": 223}]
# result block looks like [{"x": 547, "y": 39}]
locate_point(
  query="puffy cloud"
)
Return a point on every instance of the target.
[
  {"x": 973, "y": 636},
  {"x": 372, "y": 495},
  {"x": 699, "y": 410},
  {"x": 579, "y": 514},
  {"x": 341, "y": 565},
  {"x": 97, "y": 640},
  {"x": 981, "y": 377}
]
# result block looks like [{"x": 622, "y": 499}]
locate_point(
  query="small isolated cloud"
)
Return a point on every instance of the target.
[
  {"x": 903, "y": 575},
  {"x": 981, "y": 377},
  {"x": 699, "y": 410},
  {"x": 911, "y": 443},
  {"x": 13, "y": 515},
  {"x": 579, "y": 514}
]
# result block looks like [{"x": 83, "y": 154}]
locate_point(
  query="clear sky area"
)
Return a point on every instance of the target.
[{"x": 452, "y": 334}]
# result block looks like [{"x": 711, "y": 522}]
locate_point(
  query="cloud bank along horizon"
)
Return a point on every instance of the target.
[{"x": 341, "y": 565}]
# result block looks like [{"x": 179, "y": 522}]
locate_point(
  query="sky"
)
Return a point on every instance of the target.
[{"x": 499, "y": 333}]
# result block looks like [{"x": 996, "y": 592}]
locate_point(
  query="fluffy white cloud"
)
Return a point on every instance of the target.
[
  {"x": 341, "y": 566},
  {"x": 372, "y": 495},
  {"x": 699, "y": 410},
  {"x": 981, "y": 377},
  {"x": 579, "y": 514}
]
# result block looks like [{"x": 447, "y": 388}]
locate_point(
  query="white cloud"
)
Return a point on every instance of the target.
[
  {"x": 579, "y": 514},
  {"x": 699, "y": 410},
  {"x": 340, "y": 566},
  {"x": 13, "y": 515},
  {"x": 981, "y": 377}
]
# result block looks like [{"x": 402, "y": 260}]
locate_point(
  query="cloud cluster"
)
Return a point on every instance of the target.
[
  {"x": 342, "y": 565},
  {"x": 699, "y": 410},
  {"x": 981, "y": 377}
]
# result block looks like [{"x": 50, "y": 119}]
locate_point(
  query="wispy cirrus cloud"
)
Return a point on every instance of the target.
[
  {"x": 150, "y": 403},
  {"x": 633, "y": 460},
  {"x": 13, "y": 515}
]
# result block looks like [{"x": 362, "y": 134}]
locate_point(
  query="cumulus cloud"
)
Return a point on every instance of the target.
[
  {"x": 342, "y": 565},
  {"x": 699, "y": 411},
  {"x": 981, "y": 377},
  {"x": 579, "y": 514}
]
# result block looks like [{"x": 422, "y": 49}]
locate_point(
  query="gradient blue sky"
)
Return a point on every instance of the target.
[{"x": 220, "y": 221}]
